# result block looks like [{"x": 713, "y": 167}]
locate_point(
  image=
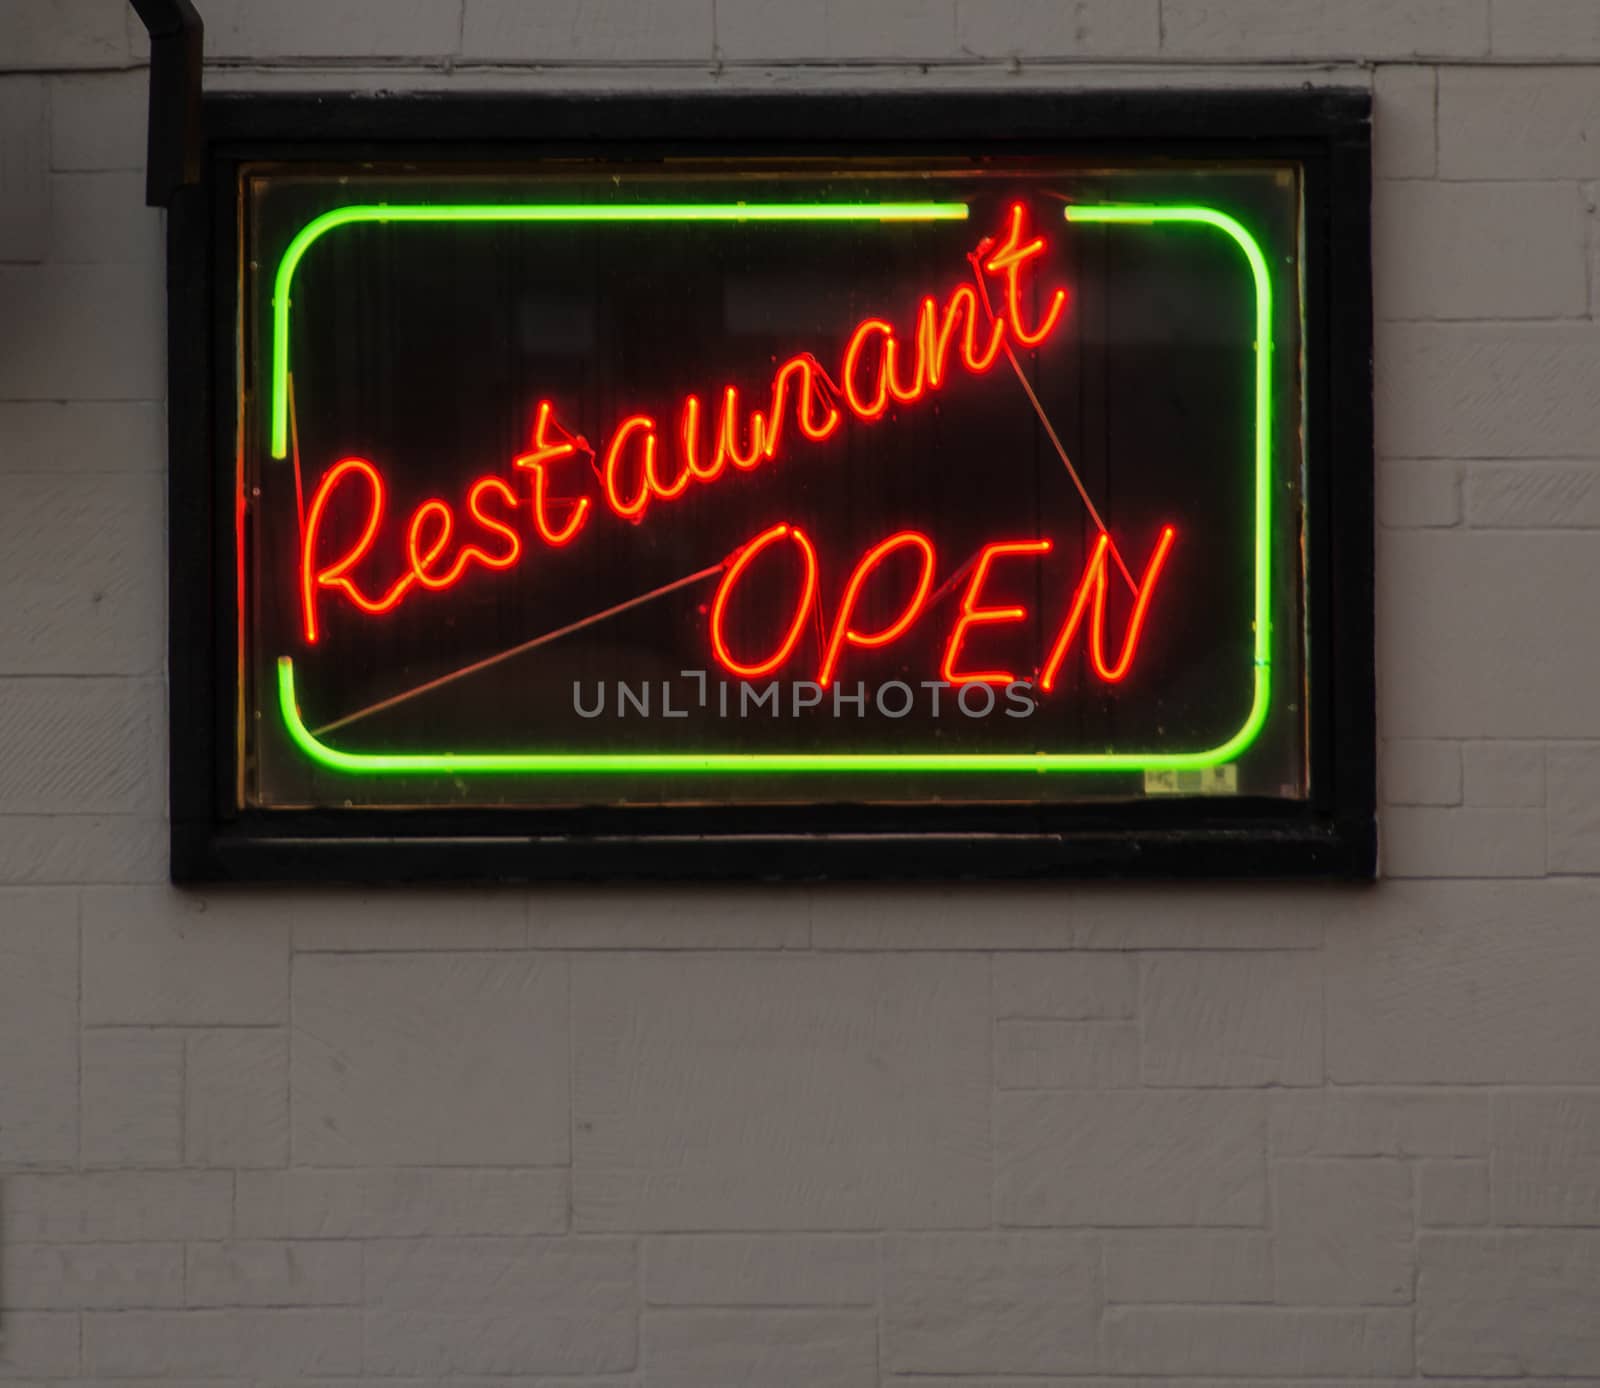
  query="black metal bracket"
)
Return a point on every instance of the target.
[{"x": 177, "y": 42}]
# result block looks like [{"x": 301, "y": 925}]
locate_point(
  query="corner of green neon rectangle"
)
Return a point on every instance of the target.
[{"x": 690, "y": 763}]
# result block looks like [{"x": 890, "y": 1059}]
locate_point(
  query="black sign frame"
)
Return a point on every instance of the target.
[{"x": 1330, "y": 835}]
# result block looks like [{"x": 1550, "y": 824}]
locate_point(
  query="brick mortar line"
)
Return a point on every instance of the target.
[
  {"x": 449, "y": 65},
  {"x": 1578, "y": 318},
  {"x": 446, "y": 63}
]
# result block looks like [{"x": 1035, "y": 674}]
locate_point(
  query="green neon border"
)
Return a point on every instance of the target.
[{"x": 657, "y": 763}]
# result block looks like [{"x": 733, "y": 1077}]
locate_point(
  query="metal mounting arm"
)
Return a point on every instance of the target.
[{"x": 176, "y": 53}]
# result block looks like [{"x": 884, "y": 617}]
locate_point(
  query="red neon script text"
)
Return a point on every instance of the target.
[{"x": 645, "y": 462}]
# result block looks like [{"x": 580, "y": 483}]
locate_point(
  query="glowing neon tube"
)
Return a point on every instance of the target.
[
  {"x": 537, "y": 763},
  {"x": 1146, "y": 214},
  {"x": 531, "y": 763}
]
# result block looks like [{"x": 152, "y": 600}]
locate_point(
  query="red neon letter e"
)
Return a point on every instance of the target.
[
  {"x": 842, "y": 633},
  {"x": 808, "y": 594},
  {"x": 972, "y": 615}
]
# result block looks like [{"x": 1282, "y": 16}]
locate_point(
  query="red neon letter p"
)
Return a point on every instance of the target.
[{"x": 843, "y": 634}]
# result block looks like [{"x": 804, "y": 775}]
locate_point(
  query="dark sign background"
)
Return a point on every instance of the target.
[{"x": 425, "y": 348}]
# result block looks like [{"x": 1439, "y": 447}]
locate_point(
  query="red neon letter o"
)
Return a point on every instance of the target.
[{"x": 808, "y": 594}]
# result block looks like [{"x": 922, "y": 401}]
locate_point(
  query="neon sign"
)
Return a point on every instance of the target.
[
  {"x": 800, "y": 383},
  {"x": 982, "y": 496},
  {"x": 775, "y": 485}
]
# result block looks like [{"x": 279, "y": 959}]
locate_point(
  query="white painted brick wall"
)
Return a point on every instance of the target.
[
  {"x": 1538, "y": 28},
  {"x": 236, "y": 1097},
  {"x": 1421, "y": 772},
  {"x": 1508, "y": 1302},
  {"x": 1370, "y": 30},
  {"x": 1452, "y": 1193},
  {"x": 1533, "y": 494},
  {"x": 1189, "y": 1265},
  {"x": 1065, "y": 1055},
  {"x": 996, "y": 1303},
  {"x": 1129, "y": 1158},
  {"x": 1344, "y": 1233},
  {"x": 132, "y": 1105},
  {"x": 1546, "y": 1158},
  {"x": 247, "y": 30},
  {"x": 104, "y": 1276},
  {"x": 256, "y": 1273},
  {"x": 761, "y": 1270},
  {"x": 503, "y": 1305},
  {"x": 652, "y": 1150},
  {"x": 1043, "y": 29},
  {"x": 1035, "y": 1136},
  {"x": 1523, "y": 123},
  {"x": 24, "y": 157},
  {"x": 1418, "y": 492},
  {"x": 793, "y": 1348},
  {"x": 63, "y": 34},
  {"x": 1405, "y": 140},
  {"x": 594, "y": 31},
  {"x": 374, "y": 1086},
  {"x": 1240, "y": 1018},
  {"x": 406, "y": 1202},
  {"x": 1278, "y": 1343},
  {"x": 1434, "y": 244}
]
